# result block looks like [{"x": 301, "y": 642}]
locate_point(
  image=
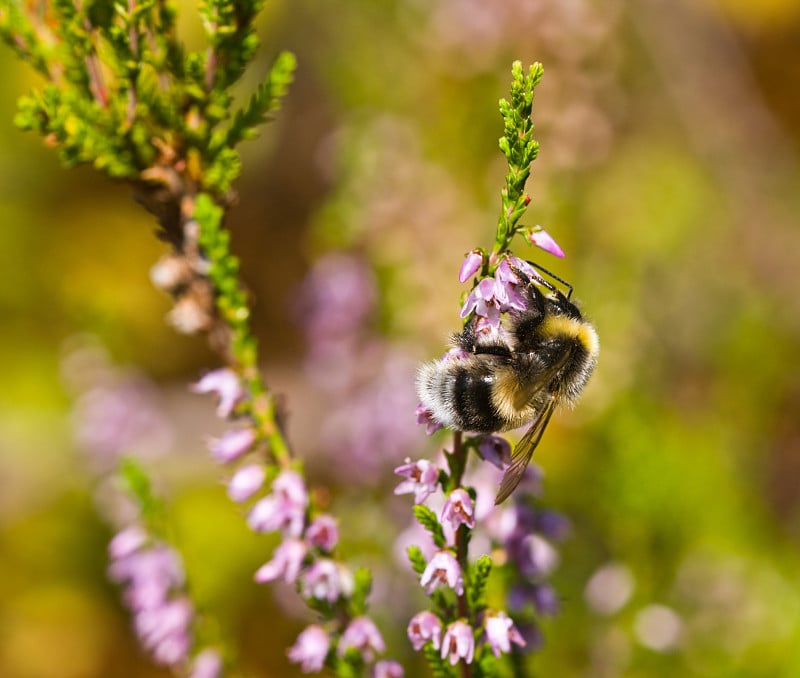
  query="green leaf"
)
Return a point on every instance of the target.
[
  {"x": 427, "y": 518},
  {"x": 264, "y": 101},
  {"x": 361, "y": 590}
]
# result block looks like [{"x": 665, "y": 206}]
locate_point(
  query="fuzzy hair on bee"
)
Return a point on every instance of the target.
[{"x": 541, "y": 359}]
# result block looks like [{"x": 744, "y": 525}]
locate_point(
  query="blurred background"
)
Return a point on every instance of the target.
[{"x": 668, "y": 173}]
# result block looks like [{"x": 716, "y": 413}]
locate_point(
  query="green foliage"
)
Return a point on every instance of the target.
[
  {"x": 438, "y": 666},
  {"x": 137, "y": 483},
  {"x": 520, "y": 149},
  {"x": 416, "y": 559},
  {"x": 361, "y": 590},
  {"x": 124, "y": 94},
  {"x": 476, "y": 586},
  {"x": 427, "y": 518}
]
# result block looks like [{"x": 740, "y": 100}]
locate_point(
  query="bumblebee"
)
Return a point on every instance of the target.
[{"x": 541, "y": 359}]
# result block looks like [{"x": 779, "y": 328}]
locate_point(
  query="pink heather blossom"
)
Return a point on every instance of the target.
[
  {"x": 284, "y": 509},
  {"x": 421, "y": 476},
  {"x": 326, "y": 580},
  {"x": 310, "y": 649},
  {"x": 323, "y": 533},
  {"x": 458, "y": 509},
  {"x": 226, "y": 385},
  {"x": 495, "y": 450},
  {"x": 536, "y": 556},
  {"x": 472, "y": 264},
  {"x": 127, "y": 542},
  {"x": 443, "y": 568},
  {"x": 149, "y": 575},
  {"x": 207, "y": 664},
  {"x": 286, "y": 562},
  {"x": 363, "y": 635},
  {"x": 501, "y": 632},
  {"x": 232, "y": 444},
  {"x": 483, "y": 300},
  {"x": 387, "y": 669},
  {"x": 425, "y": 418},
  {"x": 458, "y": 643},
  {"x": 424, "y": 626},
  {"x": 543, "y": 240},
  {"x": 165, "y": 630},
  {"x": 246, "y": 482}
]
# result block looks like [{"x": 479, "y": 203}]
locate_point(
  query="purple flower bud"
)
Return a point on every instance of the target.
[
  {"x": 537, "y": 557},
  {"x": 286, "y": 562},
  {"x": 501, "y": 632},
  {"x": 326, "y": 580},
  {"x": 323, "y": 532},
  {"x": 246, "y": 482},
  {"x": 421, "y": 476},
  {"x": 553, "y": 525},
  {"x": 226, "y": 385},
  {"x": 232, "y": 444},
  {"x": 543, "y": 240},
  {"x": 363, "y": 635},
  {"x": 458, "y": 643},
  {"x": 310, "y": 649},
  {"x": 127, "y": 542},
  {"x": 458, "y": 509},
  {"x": 424, "y": 626},
  {"x": 443, "y": 568},
  {"x": 472, "y": 264},
  {"x": 425, "y": 418},
  {"x": 495, "y": 450},
  {"x": 387, "y": 669},
  {"x": 207, "y": 664}
]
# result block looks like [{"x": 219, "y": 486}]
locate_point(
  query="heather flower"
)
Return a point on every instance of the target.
[
  {"x": 226, "y": 385},
  {"x": 458, "y": 509},
  {"x": 443, "y": 568},
  {"x": 232, "y": 444},
  {"x": 495, "y": 449},
  {"x": 424, "y": 626},
  {"x": 421, "y": 476},
  {"x": 363, "y": 635},
  {"x": 536, "y": 557},
  {"x": 149, "y": 574},
  {"x": 286, "y": 562},
  {"x": 323, "y": 533},
  {"x": 127, "y": 542},
  {"x": 310, "y": 649},
  {"x": 472, "y": 264},
  {"x": 246, "y": 482},
  {"x": 501, "y": 632},
  {"x": 425, "y": 418},
  {"x": 270, "y": 514},
  {"x": 387, "y": 669},
  {"x": 165, "y": 630},
  {"x": 284, "y": 509},
  {"x": 326, "y": 580},
  {"x": 207, "y": 664},
  {"x": 543, "y": 240},
  {"x": 553, "y": 525},
  {"x": 484, "y": 302},
  {"x": 458, "y": 643}
]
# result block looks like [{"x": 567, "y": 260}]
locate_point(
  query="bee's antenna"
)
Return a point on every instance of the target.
[{"x": 554, "y": 277}]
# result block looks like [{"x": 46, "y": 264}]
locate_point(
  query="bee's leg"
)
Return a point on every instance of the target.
[{"x": 468, "y": 341}]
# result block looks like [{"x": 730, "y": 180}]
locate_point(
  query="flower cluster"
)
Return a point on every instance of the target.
[
  {"x": 152, "y": 573},
  {"x": 305, "y": 555}
]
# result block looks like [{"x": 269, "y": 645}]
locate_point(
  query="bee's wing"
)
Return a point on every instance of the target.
[
  {"x": 524, "y": 451},
  {"x": 533, "y": 389}
]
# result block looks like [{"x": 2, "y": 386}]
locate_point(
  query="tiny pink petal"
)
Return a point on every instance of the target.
[
  {"x": 232, "y": 444},
  {"x": 246, "y": 482},
  {"x": 472, "y": 264},
  {"x": 543, "y": 240}
]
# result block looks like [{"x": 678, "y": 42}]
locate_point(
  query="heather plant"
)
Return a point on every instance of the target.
[{"x": 123, "y": 94}]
